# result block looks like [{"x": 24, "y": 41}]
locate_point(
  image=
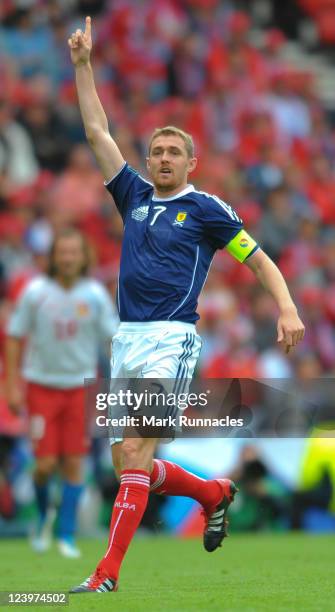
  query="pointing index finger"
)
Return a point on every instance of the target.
[{"x": 88, "y": 26}]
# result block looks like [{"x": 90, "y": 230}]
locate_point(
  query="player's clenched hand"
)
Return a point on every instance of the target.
[
  {"x": 15, "y": 400},
  {"x": 80, "y": 44},
  {"x": 290, "y": 329}
]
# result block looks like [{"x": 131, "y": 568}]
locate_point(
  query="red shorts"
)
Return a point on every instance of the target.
[{"x": 57, "y": 420}]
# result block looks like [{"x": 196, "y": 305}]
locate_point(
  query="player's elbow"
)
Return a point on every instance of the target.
[{"x": 94, "y": 134}]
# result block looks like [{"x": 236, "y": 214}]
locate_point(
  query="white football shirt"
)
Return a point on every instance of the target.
[{"x": 64, "y": 328}]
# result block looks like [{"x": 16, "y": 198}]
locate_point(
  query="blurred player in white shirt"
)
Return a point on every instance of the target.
[{"x": 64, "y": 316}]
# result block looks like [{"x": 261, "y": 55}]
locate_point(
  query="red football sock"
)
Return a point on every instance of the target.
[
  {"x": 171, "y": 479},
  {"x": 127, "y": 513}
]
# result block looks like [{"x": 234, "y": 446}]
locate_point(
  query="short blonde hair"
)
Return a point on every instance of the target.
[{"x": 171, "y": 130}]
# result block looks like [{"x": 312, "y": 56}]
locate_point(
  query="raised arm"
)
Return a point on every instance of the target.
[
  {"x": 94, "y": 118},
  {"x": 290, "y": 328}
]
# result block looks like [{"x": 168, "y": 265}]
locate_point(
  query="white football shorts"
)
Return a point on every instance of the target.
[{"x": 155, "y": 350}]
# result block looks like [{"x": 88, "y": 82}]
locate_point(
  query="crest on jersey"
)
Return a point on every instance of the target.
[
  {"x": 140, "y": 213},
  {"x": 82, "y": 309},
  {"x": 180, "y": 218}
]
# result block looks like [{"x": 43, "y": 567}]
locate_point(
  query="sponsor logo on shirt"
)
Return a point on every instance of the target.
[
  {"x": 180, "y": 218},
  {"x": 141, "y": 213},
  {"x": 244, "y": 243}
]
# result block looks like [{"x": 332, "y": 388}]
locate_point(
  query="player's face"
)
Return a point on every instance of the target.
[
  {"x": 169, "y": 164},
  {"x": 69, "y": 257}
]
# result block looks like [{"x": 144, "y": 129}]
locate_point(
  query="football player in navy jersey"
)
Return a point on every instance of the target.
[{"x": 171, "y": 233}]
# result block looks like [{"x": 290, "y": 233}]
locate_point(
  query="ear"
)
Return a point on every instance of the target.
[
  {"x": 192, "y": 164},
  {"x": 147, "y": 159}
]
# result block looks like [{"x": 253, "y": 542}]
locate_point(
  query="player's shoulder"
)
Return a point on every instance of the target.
[
  {"x": 206, "y": 198},
  {"x": 34, "y": 290},
  {"x": 38, "y": 284},
  {"x": 143, "y": 185},
  {"x": 94, "y": 287},
  {"x": 212, "y": 203},
  {"x": 128, "y": 174},
  {"x": 192, "y": 196}
]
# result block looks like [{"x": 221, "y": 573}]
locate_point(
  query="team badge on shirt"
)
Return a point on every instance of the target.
[
  {"x": 180, "y": 218},
  {"x": 82, "y": 309}
]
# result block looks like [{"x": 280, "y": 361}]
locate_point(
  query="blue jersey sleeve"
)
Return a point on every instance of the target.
[
  {"x": 124, "y": 186},
  {"x": 221, "y": 222}
]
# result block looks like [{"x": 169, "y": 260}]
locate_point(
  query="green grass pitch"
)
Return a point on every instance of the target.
[{"x": 250, "y": 573}]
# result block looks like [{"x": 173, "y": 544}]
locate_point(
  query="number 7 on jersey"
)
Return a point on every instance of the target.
[{"x": 159, "y": 210}]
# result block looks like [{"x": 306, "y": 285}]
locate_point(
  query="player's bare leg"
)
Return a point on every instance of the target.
[
  {"x": 135, "y": 457},
  {"x": 71, "y": 470},
  {"x": 116, "y": 458},
  {"x": 44, "y": 469}
]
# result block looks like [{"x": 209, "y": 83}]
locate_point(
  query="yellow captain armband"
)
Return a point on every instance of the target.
[{"x": 241, "y": 246}]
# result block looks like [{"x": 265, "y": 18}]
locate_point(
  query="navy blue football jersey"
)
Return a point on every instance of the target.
[{"x": 168, "y": 246}]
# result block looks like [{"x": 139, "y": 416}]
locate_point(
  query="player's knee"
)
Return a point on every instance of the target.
[
  {"x": 129, "y": 454},
  {"x": 45, "y": 467},
  {"x": 137, "y": 453}
]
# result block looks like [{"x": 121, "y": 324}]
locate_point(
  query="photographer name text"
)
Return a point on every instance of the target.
[{"x": 179, "y": 421}]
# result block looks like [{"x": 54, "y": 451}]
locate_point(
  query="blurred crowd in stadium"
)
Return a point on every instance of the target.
[{"x": 265, "y": 143}]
